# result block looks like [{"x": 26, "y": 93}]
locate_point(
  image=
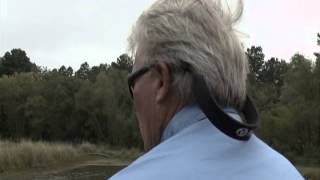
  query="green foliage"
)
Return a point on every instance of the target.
[
  {"x": 83, "y": 72},
  {"x": 92, "y": 104},
  {"x": 68, "y": 72},
  {"x": 16, "y": 61},
  {"x": 256, "y": 61},
  {"x": 124, "y": 62},
  {"x": 288, "y": 98}
]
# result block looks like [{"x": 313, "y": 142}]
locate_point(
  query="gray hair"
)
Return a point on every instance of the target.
[{"x": 201, "y": 34}]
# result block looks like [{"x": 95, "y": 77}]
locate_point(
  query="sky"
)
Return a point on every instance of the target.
[{"x": 60, "y": 32}]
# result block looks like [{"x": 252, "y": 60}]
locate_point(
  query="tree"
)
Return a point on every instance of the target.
[
  {"x": 52, "y": 105},
  {"x": 66, "y": 72},
  {"x": 1, "y": 67},
  {"x": 36, "y": 111},
  {"x": 298, "y": 99},
  {"x": 256, "y": 61},
  {"x": 62, "y": 70},
  {"x": 124, "y": 62},
  {"x": 273, "y": 73},
  {"x": 83, "y": 72},
  {"x": 317, "y": 54},
  {"x": 96, "y": 70},
  {"x": 263, "y": 93},
  {"x": 69, "y": 71},
  {"x": 4, "y": 130},
  {"x": 16, "y": 61}
]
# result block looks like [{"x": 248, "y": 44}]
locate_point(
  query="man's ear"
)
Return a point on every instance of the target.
[{"x": 164, "y": 81}]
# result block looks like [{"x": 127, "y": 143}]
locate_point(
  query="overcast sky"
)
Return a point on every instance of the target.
[{"x": 70, "y": 32}]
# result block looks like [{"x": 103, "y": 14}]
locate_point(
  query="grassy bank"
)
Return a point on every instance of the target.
[
  {"x": 23, "y": 159},
  {"x": 310, "y": 173},
  {"x": 27, "y": 154}
]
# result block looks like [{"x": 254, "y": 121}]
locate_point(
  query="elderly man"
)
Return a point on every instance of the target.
[{"x": 188, "y": 85}]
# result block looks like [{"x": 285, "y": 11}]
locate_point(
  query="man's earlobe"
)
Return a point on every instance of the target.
[{"x": 164, "y": 81}]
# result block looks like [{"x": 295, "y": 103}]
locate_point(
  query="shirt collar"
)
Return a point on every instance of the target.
[
  {"x": 182, "y": 119},
  {"x": 187, "y": 116}
]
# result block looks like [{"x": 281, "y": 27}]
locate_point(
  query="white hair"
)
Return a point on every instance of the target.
[{"x": 200, "y": 33}]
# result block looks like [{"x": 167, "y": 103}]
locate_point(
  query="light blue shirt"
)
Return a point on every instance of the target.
[{"x": 192, "y": 148}]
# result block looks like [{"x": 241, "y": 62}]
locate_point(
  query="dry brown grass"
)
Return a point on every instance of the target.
[
  {"x": 310, "y": 173},
  {"x": 28, "y": 154}
]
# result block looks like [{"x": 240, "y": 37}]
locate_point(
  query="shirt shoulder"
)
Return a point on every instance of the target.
[{"x": 200, "y": 151}]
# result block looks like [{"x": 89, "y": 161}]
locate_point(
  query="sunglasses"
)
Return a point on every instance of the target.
[
  {"x": 184, "y": 67},
  {"x": 134, "y": 76}
]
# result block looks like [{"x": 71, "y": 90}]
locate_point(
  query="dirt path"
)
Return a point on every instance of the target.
[{"x": 85, "y": 169}]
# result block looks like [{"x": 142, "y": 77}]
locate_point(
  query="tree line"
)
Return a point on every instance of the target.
[
  {"x": 288, "y": 99},
  {"x": 90, "y": 104},
  {"x": 93, "y": 103}
]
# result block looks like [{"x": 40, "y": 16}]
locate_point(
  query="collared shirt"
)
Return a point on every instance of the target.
[{"x": 192, "y": 148}]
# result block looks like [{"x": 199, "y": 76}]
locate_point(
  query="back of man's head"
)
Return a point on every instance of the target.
[{"x": 201, "y": 34}]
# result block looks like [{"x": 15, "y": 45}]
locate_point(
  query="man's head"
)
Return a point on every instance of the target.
[{"x": 170, "y": 34}]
